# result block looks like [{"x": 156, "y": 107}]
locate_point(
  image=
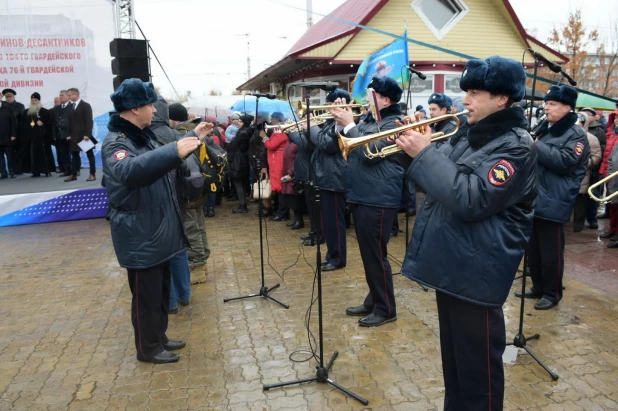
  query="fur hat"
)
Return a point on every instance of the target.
[
  {"x": 386, "y": 86},
  {"x": 36, "y": 96},
  {"x": 498, "y": 75},
  {"x": 562, "y": 94},
  {"x": 178, "y": 112},
  {"x": 9, "y": 91},
  {"x": 338, "y": 93},
  {"x": 133, "y": 93},
  {"x": 441, "y": 100}
]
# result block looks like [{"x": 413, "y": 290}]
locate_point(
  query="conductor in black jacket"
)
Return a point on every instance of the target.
[
  {"x": 146, "y": 225},
  {"x": 374, "y": 192}
]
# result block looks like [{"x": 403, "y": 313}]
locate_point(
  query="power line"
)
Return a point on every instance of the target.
[{"x": 158, "y": 61}]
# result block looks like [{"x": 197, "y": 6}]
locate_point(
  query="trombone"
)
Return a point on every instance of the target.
[
  {"x": 347, "y": 144},
  {"x": 605, "y": 199}
]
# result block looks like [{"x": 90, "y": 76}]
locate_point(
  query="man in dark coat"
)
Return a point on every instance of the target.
[
  {"x": 147, "y": 229},
  {"x": 21, "y": 156},
  {"x": 8, "y": 137},
  {"x": 469, "y": 236},
  {"x": 80, "y": 129},
  {"x": 563, "y": 152},
  {"x": 440, "y": 105},
  {"x": 374, "y": 192},
  {"x": 60, "y": 118},
  {"x": 330, "y": 177},
  {"x": 36, "y": 133}
]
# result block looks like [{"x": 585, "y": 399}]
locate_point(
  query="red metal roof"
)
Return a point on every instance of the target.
[
  {"x": 328, "y": 29},
  {"x": 361, "y": 12}
]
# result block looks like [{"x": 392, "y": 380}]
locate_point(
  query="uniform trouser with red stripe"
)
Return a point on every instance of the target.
[
  {"x": 151, "y": 295},
  {"x": 333, "y": 226},
  {"x": 373, "y": 228},
  {"x": 546, "y": 258},
  {"x": 472, "y": 340}
]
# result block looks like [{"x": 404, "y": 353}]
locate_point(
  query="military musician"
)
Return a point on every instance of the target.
[
  {"x": 374, "y": 193},
  {"x": 470, "y": 235}
]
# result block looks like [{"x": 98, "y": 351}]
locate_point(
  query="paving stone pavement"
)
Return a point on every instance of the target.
[{"x": 66, "y": 339}]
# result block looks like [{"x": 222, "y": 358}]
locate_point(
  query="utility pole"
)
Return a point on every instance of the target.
[
  {"x": 309, "y": 14},
  {"x": 248, "y": 57}
]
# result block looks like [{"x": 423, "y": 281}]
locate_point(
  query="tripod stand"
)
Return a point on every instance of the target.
[
  {"x": 407, "y": 193},
  {"x": 263, "y": 289},
  {"x": 321, "y": 370},
  {"x": 520, "y": 340}
]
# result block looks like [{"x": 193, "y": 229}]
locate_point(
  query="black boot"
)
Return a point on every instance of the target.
[
  {"x": 242, "y": 209},
  {"x": 211, "y": 212},
  {"x": 298, "y": 223}
]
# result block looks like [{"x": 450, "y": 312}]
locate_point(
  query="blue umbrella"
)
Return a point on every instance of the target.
[{"x": 247, "y": 105}]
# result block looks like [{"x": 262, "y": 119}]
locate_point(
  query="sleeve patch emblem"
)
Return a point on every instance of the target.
[
  {"x": 579, "y": 148},
  {"x": 120, "y": 155},
  {"x": 500, "y": 173}
]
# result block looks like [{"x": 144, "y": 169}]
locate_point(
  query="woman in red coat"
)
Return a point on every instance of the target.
[
  {"x": 612, "y": 139},
  {"x": 275, "y": 145}
]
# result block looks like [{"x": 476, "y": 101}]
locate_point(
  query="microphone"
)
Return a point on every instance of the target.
[
  {"x": 323, "y": 85},
  {"x": 418, "y": 73},
  {"x": 556, "y": 68},
  {"x": 570, "y": 80},
  {"x": 258, "y": 95}
]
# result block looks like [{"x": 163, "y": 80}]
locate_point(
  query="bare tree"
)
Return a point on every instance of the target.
[
  {"x": 215, "y": 92},
  {"x": 573, "y": 40},
  {"x": 607, "y": 52}
]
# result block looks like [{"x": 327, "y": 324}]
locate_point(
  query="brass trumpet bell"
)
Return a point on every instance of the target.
[{"x": 605, "y": 199}]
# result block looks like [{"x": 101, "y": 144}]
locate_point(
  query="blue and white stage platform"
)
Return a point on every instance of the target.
[{"x": 26, "y": 200}]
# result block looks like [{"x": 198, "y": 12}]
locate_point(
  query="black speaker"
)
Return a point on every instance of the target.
[
  {"x": 131, "y": 60},
  {"x": 128, "y": 48},
  {"x": 130, "y": 67}
]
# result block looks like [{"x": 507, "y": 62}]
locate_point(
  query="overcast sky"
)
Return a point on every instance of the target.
[{"x": 201, "y": 44}]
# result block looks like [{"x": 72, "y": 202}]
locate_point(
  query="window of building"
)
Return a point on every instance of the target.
[{"x": 440, "y": 15}]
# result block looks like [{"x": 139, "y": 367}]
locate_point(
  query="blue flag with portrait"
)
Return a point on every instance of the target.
[{"x": 388, "y": 61}]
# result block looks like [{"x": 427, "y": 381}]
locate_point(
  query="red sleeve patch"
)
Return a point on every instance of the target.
[
  {"x": 500, "y": 173},
  {"x": 579, "y": 148},
  {"x": 120, "y": 155}
]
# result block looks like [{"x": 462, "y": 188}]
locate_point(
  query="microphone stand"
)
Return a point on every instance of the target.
[
  {"x": 263, "y": 289},
  {"x": 321, "y": 370},
  {"x": 520, "y": 340},
  {"x": 406, "y": 185}
]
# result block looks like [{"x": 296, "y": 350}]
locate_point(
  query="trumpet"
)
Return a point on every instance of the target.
[
  {"x": 302, "y": 107},
  {"x": 600, "y": 183},
  {"x": 292, "y": 127},
  {"x": 347, "y": 144}
]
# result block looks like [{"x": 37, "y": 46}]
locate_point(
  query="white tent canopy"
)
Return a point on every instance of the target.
[{"x": 215, "y": 106}]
